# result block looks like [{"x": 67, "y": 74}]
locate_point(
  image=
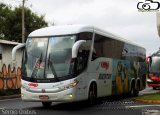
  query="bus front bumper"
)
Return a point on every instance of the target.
[
  {"x": 153, "y": 83},
  {"x": 63, "y": 96}
]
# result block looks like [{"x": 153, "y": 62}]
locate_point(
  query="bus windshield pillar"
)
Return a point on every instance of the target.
[
  {"x": 14, "y": 50},
  {"x": 76, "y": 47}
]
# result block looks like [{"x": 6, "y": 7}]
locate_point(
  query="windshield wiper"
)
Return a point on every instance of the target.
[
  {"x": 52, "y": 68},
  {"x": 36, "y": 66}
]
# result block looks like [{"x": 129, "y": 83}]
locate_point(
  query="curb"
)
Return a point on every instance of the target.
[
  {"x": 10, "y": 97},
  {"x": 147, "y": 101}
]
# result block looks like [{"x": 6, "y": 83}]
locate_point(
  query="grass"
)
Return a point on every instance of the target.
[{"x": 154, "y": 96}]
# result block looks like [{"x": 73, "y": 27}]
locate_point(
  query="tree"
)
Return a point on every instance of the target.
[
  {"x": 5, "y": 12},
  {"x": 11, "y": 22}
]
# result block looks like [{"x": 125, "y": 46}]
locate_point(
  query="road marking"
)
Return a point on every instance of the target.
[
  {"x": 150, "y": 112},
  {"x": 10, "y": 99},
  {"x": 140, "y": 106}
]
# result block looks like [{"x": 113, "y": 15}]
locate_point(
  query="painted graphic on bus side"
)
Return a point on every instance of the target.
[{"x": 120, "y": 76}]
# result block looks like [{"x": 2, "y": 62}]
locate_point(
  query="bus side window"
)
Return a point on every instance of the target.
[
  {"x": 94, "y": 56},
  {"x": 79, "y": 62},
  {"x": 86, "y": 55},
  {"x": 82, "y": 60},
  {"x": 149, "y": 64}
]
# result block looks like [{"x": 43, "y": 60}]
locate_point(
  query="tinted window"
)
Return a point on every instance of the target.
[
  {"x": 85, "y": 36},
  {"x": 107, "y": 47}
]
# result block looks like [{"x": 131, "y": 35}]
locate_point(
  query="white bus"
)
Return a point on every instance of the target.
[{"x": 78, "y": 62}]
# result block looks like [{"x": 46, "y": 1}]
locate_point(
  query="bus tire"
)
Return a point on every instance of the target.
[
  {"x": 136, "y": 93},
  {"x": 132, "y": 92},
  {"x": 92, "y": 94},
  {"x": 137, "y": 89},
  {"x": 46, "y": 104}
]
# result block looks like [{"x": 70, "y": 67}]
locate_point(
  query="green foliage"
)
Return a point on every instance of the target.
[
  {"x": 11, "y": 22},
  {"x": 154, "y": 96}
]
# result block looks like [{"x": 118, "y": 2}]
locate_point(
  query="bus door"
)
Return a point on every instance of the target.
[{"x": 81, "y": 66}]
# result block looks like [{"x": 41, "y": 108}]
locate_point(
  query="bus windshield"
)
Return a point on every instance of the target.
[
  {"x": 155, "y": 65},
  {"x": 48, "y": 57}
]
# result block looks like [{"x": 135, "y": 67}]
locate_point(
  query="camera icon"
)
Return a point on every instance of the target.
[{"x": 148, "y": 5}]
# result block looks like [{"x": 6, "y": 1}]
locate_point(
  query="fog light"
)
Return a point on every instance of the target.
[
  {"x": 70, "y": 95},
  {"x": 22, "y": 95}
]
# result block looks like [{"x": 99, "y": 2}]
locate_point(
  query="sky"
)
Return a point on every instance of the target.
[{"x": 120, "y": 17}]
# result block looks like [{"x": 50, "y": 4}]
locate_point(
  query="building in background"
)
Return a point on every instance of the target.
[
  {"x": 6, "y": 53},
  {"x": 9, "y": 78}
]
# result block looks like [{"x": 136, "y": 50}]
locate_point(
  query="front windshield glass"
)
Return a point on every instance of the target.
[
  {"x": 59, "y": 56},
  {"x": 48, "y": 57},
  {"x": 155, "y": 65},
  {"x": 34, "y": 60}
]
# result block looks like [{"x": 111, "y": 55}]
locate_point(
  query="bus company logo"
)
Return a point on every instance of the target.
[
  {"x": 148, "y": 6},
  {"x": 33, "y": 84},
  {"x": 105, "y": 65},
  {"x": 125, "y": 51}
]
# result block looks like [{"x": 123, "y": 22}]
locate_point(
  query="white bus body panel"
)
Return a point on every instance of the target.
[{"x": 100, "y": 71}]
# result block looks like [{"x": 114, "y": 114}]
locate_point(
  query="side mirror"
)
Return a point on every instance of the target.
[
  {"x": 14, "y": 50},
  {"x": 76, "y": 46}
]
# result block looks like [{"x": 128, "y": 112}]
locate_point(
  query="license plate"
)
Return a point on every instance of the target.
[{"x": 44, "y": 97}]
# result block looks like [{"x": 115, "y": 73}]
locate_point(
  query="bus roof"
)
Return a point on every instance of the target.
[
  {"x": 74, "y": 29},
  {"x": 61, "y": 30}
]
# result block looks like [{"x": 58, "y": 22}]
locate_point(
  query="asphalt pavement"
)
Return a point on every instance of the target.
[{"x": 108, "y": 106}]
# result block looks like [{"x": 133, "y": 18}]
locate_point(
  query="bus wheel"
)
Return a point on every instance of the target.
[
  {"x": 46, "y": 104},
  {"x": 136, "y": 93},
  {"x": 92, "y": 94},
  {"x": 132, "y": 92}
]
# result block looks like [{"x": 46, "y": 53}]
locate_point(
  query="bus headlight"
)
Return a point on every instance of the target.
[
  {"x": 23, "y": 87},
  {"x": 73, "y": 84},
  {"x": 149, "y": 80}
]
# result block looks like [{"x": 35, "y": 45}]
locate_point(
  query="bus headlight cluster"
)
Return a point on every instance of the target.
[
  {"x": 149, "y": 80},
  {"x": 73, "y": 84},
  {"x": 24, "y": 87}
]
